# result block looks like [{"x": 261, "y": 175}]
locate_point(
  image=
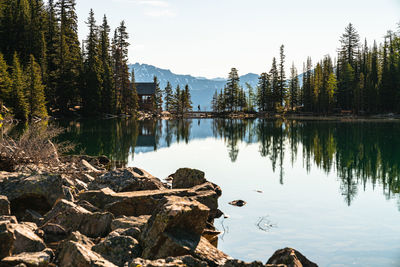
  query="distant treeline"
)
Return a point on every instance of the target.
[
  {"x": 44, "y": 68},
  {"x": 363, "y": 79}
]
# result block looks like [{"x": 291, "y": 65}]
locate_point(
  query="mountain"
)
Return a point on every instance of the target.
[{"x": 202, "y": 89}]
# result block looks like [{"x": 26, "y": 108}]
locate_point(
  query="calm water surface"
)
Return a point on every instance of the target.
[{"x": 328, "y": 189}]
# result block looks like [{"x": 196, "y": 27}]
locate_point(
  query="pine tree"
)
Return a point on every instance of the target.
[
  {"x": 232, "y": 90},
  {"x": 168, "y": 96},
  {"x": 5, "y": 82},
  {"x": 350, "y": 41},
  {"x": 214, "y": 102},
  {"x": 108, "y": 94},
  {"x": 282, "y": 77},
  {"x": 35, "y": 90},
  {"x": 187, "y": 99},
  {"x": 264, "y": 101},
  {"x": 70, "y": 59},
  {"x": 293, "y": 87},
  {"x": 133, "y": 104},
  {"x": 18, "y": 101},
  {"x": 120, "y": 65},
  {"x": 52, "y": 35},
  {"x": 275, "y": 89},
  {"x": 251, "y": 98},
  {"x": 92, "y": 88},
  {"x": 157, "y": 99}
]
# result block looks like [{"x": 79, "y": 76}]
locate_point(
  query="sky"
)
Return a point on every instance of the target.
[{"x": 206, "y": 38}]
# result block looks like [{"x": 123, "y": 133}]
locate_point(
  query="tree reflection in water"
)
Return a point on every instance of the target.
[{"x": 360, "y": 152}]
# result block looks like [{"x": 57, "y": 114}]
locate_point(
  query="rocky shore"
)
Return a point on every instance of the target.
[{"x": 81, "y": 214}]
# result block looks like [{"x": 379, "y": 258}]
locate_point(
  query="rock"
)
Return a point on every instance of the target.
[
  {"x": 291, "y": 258},
  {"x": 125, "y": 180},
  {"x": 34, "y": 192},
  {"x": 144, "y": 202},
  {"x": 118, "y": 249},
  {"x": 211, "y": 236},
  {"x": 5, "y": 218},
  {"x": 186, "y": 178},
  {"x": 175, "y": 229},
  {"x": 132, "y": 232},
  {"x": 239, "y": 263},
  {"x": 4, "y": 206},
  {"x": 31, "y": 259},
  {"x": 7, "y": 239},
  {"x": 25, "y": 239},
  {"x": 75, "y": 218},
  {"x": 53, "y": 232},
  {"x": 238, "y": 203},
  {"x": 32, "y": 216},
  {"x": 173, "y": 216},
  {"x": 187, "y": 260},
  {"x": 125, "y": 222},
  {"x": 76, "y": 252},
  {"x": 88, "y": 167},
  {"x": 88, "y": 206}
]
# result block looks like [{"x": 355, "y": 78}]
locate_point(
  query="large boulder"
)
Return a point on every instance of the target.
[
  {"x": 26, "y": 240},
  {"x": 76, "y": 252},
  {"x": 125, "y": 180},
  {"x": 118, "y": 249},
  {"x": 30, "y": 259},
  {"x": 175, "y": 229},
  {"x": 4, "y": 206},
  {"x": 144, "y": 202},
  {"x": 291, "y": 258},
  {"x": 35, "y": 192},
  {"x": 186, "y": 178},
  {"x": 187, "y": 260},
  {"x": 72, "y": 217},
  {"x": 7, "y": 239},
  {"x": 174, "y": 216}
]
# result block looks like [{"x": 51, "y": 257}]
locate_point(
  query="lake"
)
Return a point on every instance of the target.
[{"x": 329, "y": 189}]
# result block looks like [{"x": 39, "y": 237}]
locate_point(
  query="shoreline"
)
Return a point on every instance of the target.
[{"x": 75, "y": 211}]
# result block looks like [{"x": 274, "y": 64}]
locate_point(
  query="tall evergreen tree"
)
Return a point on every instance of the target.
[
  {"x": 35, "y": 90},
  {"x": 108, "y": 94},
  {"x": 5, "y": 82},
  {"x": 92, "y": 88},
  {"x": 157, "y": 99},
  {"x": 293, "y": 88},
  {"x": 18, "y": 101},
  {"x": 264, "y": 101},
  {"x": 282, "y": 77},
  {"x": 168, "y": 96},
  {"x": 275, "y": 85},
  {"x": 232, "y": 90},
  {"x": 70, "y": 59}
]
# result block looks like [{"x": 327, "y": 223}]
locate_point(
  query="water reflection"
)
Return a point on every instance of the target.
[{"x": 359, "y": 152}]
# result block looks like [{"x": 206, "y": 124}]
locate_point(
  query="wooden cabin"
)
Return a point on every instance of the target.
[{"x": 146, "y": 92}]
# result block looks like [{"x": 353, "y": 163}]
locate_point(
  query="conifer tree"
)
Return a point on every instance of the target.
[
  {"x": 157, "y": 99},
  {"x": 92, "y": 89},
  {"x": 251, "y": 98},
  {"x": 70, "y": 59},
  {"x": 108, "y": 94},
  {"x": 275, "y": 89},
  {"x": 18, "y": 101},
  {"x": 232, "y": 90},
  {"x": 264, "y": 102},
  {"x": 52, "y": 35},
  {"x": 168, "y": 96},
  {"x": 5, "y": 82},
  {"x": 293, "y": 87},
  {"x": 133, "y": 103},
  {"x": 187, "y": 99},
  {"x": 35, "y": 90},
  {"x": 282, "y": 77}
]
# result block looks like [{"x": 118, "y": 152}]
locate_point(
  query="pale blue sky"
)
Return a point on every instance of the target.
[{"x": 208, "y": 37}]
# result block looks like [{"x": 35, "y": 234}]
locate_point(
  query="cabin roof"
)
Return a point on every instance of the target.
[{"x": 145, "y": 88}]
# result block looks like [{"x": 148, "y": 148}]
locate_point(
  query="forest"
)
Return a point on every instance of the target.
[
  {"x": 44, "y": 69},
  {"x": 362, "y": 80}
]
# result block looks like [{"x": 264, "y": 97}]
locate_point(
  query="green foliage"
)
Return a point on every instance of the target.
[
  {"x": 157, "y": 99},
  {"x": 35, "y": 90},
  {"x": 168, "y": 97},
  {"x": 19, "y": 103},
  {"x": 5, "y": 82}
]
